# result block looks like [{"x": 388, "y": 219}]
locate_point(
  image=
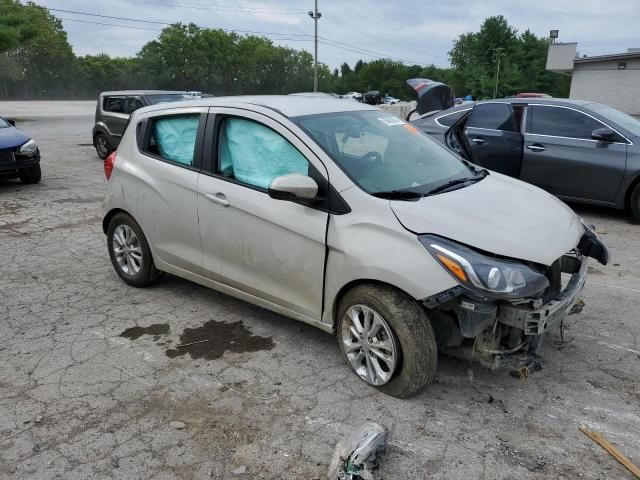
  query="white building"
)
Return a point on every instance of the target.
[{"x": 610, "y": 79}]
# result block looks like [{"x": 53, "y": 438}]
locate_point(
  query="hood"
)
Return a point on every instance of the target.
[
  {"x": 499, "y": 215},
  {"x": 432, "y": 96},
  {"x": 11, "y": 137}
]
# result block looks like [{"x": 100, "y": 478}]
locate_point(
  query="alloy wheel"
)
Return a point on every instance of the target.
[
  {"x": 369, "y": 344},
  {"x": 101, "y": 146},
  {"x": 127, "y": 249}
]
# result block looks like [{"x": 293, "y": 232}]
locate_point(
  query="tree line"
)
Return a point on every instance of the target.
[{"x": 37, "y": 62}]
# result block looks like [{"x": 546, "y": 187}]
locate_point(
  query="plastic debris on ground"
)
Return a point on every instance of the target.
[{"x": 359, "y": 453}]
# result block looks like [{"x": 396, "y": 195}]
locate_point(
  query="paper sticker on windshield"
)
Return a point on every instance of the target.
[{"x": 391, "y": 121}]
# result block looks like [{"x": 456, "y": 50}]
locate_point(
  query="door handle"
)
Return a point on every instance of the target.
[
  {"x": 479, "y": 141},
  {"x": 217, "y": 198},
  {"x": 536, "y": 148}
]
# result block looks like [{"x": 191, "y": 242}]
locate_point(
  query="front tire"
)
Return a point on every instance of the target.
[
  {"x": 30, "y": 175},
  {"x": 130, "y": 253},
  {"x": 634, "y": 203},
  {"x": 387, "y": 339}
]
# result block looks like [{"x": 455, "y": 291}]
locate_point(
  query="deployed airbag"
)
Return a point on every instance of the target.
[
  {"x": 176, "y": 137},
  {"x": 256, "y": 154}
]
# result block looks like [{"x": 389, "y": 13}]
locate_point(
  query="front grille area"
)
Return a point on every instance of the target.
[{"x": 6, "y": 156}]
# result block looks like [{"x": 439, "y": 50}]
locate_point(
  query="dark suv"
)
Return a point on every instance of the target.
[{"x": 113, "y": 110}]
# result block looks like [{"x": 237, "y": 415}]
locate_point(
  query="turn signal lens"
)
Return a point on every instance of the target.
[{"x": 453, "y": 267}]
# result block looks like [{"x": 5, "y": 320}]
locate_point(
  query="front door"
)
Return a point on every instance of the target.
[
  {"x": 493, "y": 138},
  {"x": 271, "y": 249},
  {"x": 561, "y": 157}
]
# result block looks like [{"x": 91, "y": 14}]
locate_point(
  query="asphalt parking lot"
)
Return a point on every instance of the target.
[{"x": 86, "y": 394}]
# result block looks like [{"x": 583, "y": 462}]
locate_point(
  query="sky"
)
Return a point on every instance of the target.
[{"x": 415, "y": 32}]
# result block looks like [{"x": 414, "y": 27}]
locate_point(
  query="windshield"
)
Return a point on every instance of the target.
[
  {"x": 167, "y": 97},
  {"x": 382, "y": 153},
  {"x": 3, "y": 123},
  {"x": 625, "y": 121}
]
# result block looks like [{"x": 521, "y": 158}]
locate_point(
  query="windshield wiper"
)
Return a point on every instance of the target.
[
  {"x": 458, "y": 183},
  {"x": 398, "y": 195}
]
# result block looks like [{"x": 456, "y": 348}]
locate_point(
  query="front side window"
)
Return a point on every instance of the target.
[
  {"x": 560, "y": 122},
  {"x": 493, "y": 116},
  {"x": 115, "y": 104},
  {"x": 3, "y": 123},
  {"x": 174, "y": 138},
  {"x": 382, "y": 153},
  {"x": 253, "y": 154}
]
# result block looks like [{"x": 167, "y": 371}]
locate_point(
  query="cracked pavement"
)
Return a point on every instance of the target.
[{"x": 78, "y": 400}]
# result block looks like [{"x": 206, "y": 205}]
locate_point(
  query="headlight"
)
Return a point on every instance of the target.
[
  {"x": 485, "y": 275},
  {"x": 29, "y": 148}
]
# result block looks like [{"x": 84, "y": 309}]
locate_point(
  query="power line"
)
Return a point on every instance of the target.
[
  {"x": 325, "y": 41},
  {"x": 226, "y": 8},
  {"x": 111, "y": 17}
]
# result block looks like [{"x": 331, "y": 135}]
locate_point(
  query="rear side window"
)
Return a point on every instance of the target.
[
  {"x": 135, "y": 104},
  {"x": 114, "y": 104},
  {"x": 493, "y": 116},
  {"x": 173, "y": 138},
  {"x": 450, "y": 119},
  {"x": 560, "y": 122},
  {"x": 253, "y": 154}
]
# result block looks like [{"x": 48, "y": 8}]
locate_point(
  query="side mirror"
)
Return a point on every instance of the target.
[
  {"x": 603, "y": 135},
  {"x": 11, "y": 122},
  {"x": 293, "y": 186}
]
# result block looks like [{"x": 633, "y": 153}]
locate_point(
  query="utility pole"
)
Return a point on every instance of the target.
[
  {"x": 498, "y": 51},
  {"x": 315, "y": 14}
]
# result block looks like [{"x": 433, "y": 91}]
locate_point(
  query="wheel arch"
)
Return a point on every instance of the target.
[
  {"x": 632, "y": 186},
  {"x": 106, "y": 220},
  {"x": 356, "y": 283}
]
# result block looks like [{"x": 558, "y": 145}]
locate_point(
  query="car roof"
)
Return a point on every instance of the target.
[
  {"x": 287, "y": 105},
  {"x": 144, "y": 92},
  {"x": 546, "y": 101}
]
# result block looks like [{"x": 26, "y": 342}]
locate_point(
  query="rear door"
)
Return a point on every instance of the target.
[
  {"x": 493, "y": 137},
  {"x": 561, "y": 157},
  {"x": 167, "y": 171},
  {"x": 115, "y": 117}
]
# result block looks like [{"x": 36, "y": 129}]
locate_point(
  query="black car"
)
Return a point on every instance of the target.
[
  {"x": 19, "y": 154},
  {"x": 113, "y": 111},
  {"x": 578, "y": 150},
  {"x": 373, "y": 97}
]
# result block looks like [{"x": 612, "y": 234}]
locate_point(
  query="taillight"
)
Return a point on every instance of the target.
[{"x": 109, "y": 162}]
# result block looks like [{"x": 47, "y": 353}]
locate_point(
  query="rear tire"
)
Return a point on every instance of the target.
[
  {"x": 130, "y": 253},
  {"x": 103, "y": 146},
  {"x": 412, "y": 336},
  {"x": 634, "y": 203},
  {"x": 31, "y": 174}
]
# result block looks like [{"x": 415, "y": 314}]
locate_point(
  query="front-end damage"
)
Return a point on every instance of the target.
[{"x": 508, "y": 332}]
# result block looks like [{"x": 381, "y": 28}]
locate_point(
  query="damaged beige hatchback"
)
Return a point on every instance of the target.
[{"x": 342, "y": 216}]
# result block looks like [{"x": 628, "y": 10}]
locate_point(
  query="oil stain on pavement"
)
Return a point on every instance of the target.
[
  {"x": 213, "y": 339},
  {"x": 136, "y": 332}
]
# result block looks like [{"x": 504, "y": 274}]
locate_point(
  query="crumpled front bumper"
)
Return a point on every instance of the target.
[{"x": 535, "y": 321}]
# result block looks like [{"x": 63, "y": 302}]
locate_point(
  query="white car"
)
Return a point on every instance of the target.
[
  {"x": 390, "y": 100},
  {"x": 342, "y": 216},
  {"x": 353, "y": 96}
]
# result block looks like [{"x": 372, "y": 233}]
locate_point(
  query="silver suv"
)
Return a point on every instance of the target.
[
  {"x": 342, "y": 216},
  {"x": 114, "y": 108}
]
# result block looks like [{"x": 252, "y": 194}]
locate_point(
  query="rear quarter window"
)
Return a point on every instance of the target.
[{"x": 115, "y": 104}]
